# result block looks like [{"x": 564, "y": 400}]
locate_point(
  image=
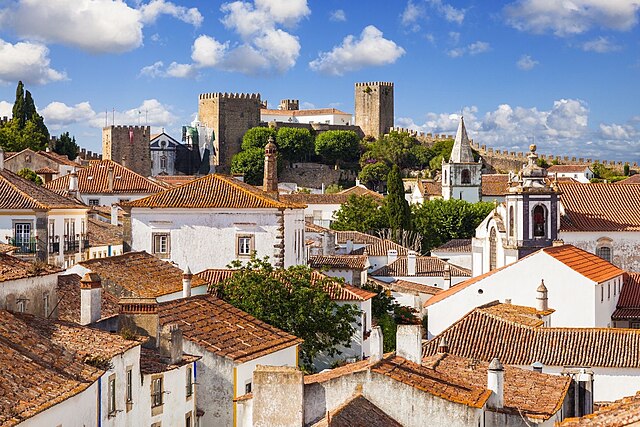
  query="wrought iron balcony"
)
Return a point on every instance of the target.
[{"x": 24, "y": 246}]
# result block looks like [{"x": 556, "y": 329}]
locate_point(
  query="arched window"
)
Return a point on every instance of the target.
[
  {"x": 466, "y": 176},
  {"x": 163, "y": 162},
  {"x": 493, "y": 256},
  {"x": 511, "y": 222},
  {"x": 604, "y": 253},
  {"x": 539, "y": 221},
  {"x": 604, "y": 248}
]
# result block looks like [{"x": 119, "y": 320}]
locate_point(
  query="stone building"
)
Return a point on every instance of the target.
[
  {"x": 129, "y": 146},
  {"x": 374, "y": 107},
  {"x": 461, "y": 175}
]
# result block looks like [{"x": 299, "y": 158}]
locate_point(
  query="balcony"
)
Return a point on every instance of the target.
[
  {"x": 72, "y": 245},
  {"x": 24, "y": 246}
]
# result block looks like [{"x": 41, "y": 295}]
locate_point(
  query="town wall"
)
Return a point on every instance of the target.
[
  {"x": 313, "y": 175},
  {"x": 374, "y": 109},
  {"x": 129, "y": 146}
]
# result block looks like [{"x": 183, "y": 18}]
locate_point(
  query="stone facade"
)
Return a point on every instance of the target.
[
  {"x": 230, "y": 115},
  {"x": 374, "y": 107},
  {"x": 129, "y": 146}
]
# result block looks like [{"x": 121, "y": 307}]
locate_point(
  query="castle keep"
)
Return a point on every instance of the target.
[
  {"x": 374, "y": 107},
  {"x": 129, "y": 146}
]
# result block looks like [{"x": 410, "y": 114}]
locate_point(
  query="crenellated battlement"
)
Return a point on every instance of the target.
[
  {"x": 363, "y": 84},
  {"x": 225, "y": 95},
  {"x": 120, "y": 128}
]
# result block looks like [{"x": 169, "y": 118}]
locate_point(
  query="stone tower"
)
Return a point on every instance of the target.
[
  {"x": 462, "y": 176},
  {"x": 230, "y": 115},
  {"x": 270, "y": 181},
  {"x": 374, "y": 107},
  {"x": 129, "y": 146}
]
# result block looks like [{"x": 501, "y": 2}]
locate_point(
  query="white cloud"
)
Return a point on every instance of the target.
[
  {"x": 207, "y": 51},
  {"x": 248, "y": 19},
  {"x": 454, "y": 37},
  {"x": 526, "y": 63},
  {"x": 153, "y": 70},
  {"x": 338, "y": 15},
  {"x": 572, "y": 16},
  {"x": 58, "y": 114},
  {"x": 411, "y": 14},
  {"x": 600, "y": 45},
  {"x": 181, "y": 70},
  {"x": 619, "y": 132},
  {"x": 371, "y": 49},
  {"x": 307, "y": 105},
  {"x": 474, "y": 48},
  {"x": 6, "y": 109},
  {"x": 152, "y": 10},
  {"x": 28, "y": 62},
  {"x": 449, "y": 12}
]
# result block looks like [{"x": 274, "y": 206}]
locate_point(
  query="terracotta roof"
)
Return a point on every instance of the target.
[
  {"x": 328, "y": 375},
  {"x": 495, "y": 184},
  {"x": 356, "y": 237},
  {"x": 294, "y": 113},
  {"x": 585, "y": 263},
  {"x": 429, "y": 187},
  {"x": 455, "y": 245},
  {"x": 405, "y": 285},
  {"x": 212, "y": 191},
  {"x": 523, "y": 315},
  {"x": 175, "y": 180},
  {"x": 381, "y": 248},
  {"x": 310, "y": 227},
  {"x": 360, "y": 190},
  {"x": 216, "y": 275},
  {"x": 152, "y": 363},
  {"x": 12, "y": 268},
  {"x": 623, "y": 412},
  {"x": 4, "y": 248},
  {"x": 95, "y": 180},
  {"x": 481, "y": 334},
  {"x": 600, "y": 207},
  {"x": 58, "y": 158},
  {"x": 633, "y": 179},
  {"x": 20, "y": 193},
  {"x": 357, "y": 411},
  {"x": 351, "y": 262},
  {"x": 105, "y": 212},
  {"x": 567, "y": 168},
  {"x": 46, "y": 170},
  {"x": 69, "y": 300},
  {"x": 315, "y": 199},
  {"x": 102, "y": 233},
  {"x": 426, "y": 266},
  {"x": 223, "y": 329},
  {"x": 138, "y": 274},
  {"x": 628, "y": 307}
]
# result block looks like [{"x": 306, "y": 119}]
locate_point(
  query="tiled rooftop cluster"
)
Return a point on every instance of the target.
[
  {"x": 12, "y": 268},
  {"x": 425, "y": 266},
  {"x": 20, "y": 193}
]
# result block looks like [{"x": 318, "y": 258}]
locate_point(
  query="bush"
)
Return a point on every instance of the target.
[
  {"x": 295, "y": 144},
  {"x": 27, "y": 173},
  {"x": 249, "y": 162},
  {"x": 257, "y": 137},
  {"x": 336, "y": 146}
]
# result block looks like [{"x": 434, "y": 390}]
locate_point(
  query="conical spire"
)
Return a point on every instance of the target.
[{"x": 461, "y": 152}]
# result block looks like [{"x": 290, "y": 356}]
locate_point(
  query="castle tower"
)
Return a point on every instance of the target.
[
  {"x": 130, "y": 143},
  {"x": 374, "y": 107},
  {"x": 230, "y": 115},
  {"x": 289, "y": 104},
  {"x": 270, "y": 181},
  {"x": 462, "y": 176}
]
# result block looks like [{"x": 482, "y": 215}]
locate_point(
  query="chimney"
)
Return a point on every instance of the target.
[
  {"x": 542, "y": 299},
  {"x": 328, "y": 245},
  {"x": 349, "y": 247},
  {"x": 270, "y": 181},
  {"x": 124, "y": 161},
  {"x": 409, "y": 343},
  {"x": 1, "y": 159},
  {"x": 270, "y": 381},
  {"x": 392, "y": 255},
  {"x": 170, "y": 346},
  {"x": 411, "y": 263},
  {"x": 114, "y": 214},
  {"x": 73, "y": 182},
  {"x": 376, "y": 344},
  {"x": 443, "y": 346},
  {"x": 90, "y": 298},
  {"x": 537, "y": 367},
  {"x": 186, "y": 282},
  {"x": 447, "y": 275},
  {"x": 140, "y": 316},
  {"x": 495, "y": 383},
  {"x": 110, "y": 178}
]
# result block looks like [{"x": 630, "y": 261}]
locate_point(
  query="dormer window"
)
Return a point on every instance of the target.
[{"x": 539, "y": 221}]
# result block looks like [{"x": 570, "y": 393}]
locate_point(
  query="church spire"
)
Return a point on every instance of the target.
[{"x": 461, "y": 152}]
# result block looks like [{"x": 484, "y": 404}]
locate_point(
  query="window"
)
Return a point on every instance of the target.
[
  {"x": 112, "y": 395},
  {"x": 539, "y": 221},
  {"x": 163, "y": 162},
  {"x": 187, "y": 420},
  {"x": 21, "y": 304},
  {"x": 45, "y": 304},
  {"x": 156, "y": 392},
  {"x": 445, "y": 177},
  {"x": 511, "y": 222},
  {"x": 94, "y": 202},
  {"x": 493, "y": 256},
  {"x": 129, "y": 385},
  {"x": 602, "y": 293},
  {"x": 604, "y": 252},
  {"x": 635, "y": 325},
  {"x": 189, "y": 381},
  {"x": 247, "y": 388},
  {"x": 22, "y": 234},
  {"x": 245, "y": 246},
  {"x": 608, "y": 291},
  {"x": 161, "y": 244},
  {"x": 466, "y": 176}
]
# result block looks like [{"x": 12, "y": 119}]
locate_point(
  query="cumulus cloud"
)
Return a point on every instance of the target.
[
  {"x": 474, "y": 48},
  {"x": 28, "y": 62},
  {"x": 600, "y": 45},
  {"x": 526, "y": 63},
  {"x": 338, "y": 15},
  {"x": 58, "y": 114},
  {"x": 6, "y": 109},
  {"x": 371, "y": 49},
  {"x": 208, "y": 52},
  {"x": 152, "y": 10},
  {"x": 565, "y": 18}
]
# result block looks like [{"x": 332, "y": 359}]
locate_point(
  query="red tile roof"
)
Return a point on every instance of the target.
[
  {"x": 567, "y": 168},
  {"x": 426, "y": 266},
  {"x": 223, "y": 329},
  {"x": 12, "y": 268},
  {"x": 381, "y": 248},
  {"x": 455, "y": 245},
  {"x": 357, "y": 411},
  {"x": 405, "y": 285},
  {"x": 20, "y": 193},
  {"x": 102, "y": 233},
  {"x": 351, "y": 262},
  {"x": 623, "y": 412},
  {"x": 46, "y": 170},
  {"x": 600, "y": 207},
  {"x": 213, "y": 191},
  {"x": 295, "y": 113},
  {"x": 495, "y": 184},
  {"x": 429, "y": 187},
  {"x": 310, "y": 227},
  {"x": 58, "y": 158},
  {"x": 356, "y": 237},
  {"x": 69, "y": 300},
  {"x": 585, "y": 263},
  {"x": 216, "y": 275},
  {"x": 95, "y": 180},
  {"x": 633, "y": 179},
  {"x": 152, "y": 363},
  {"x": 4, "y": 248},
  {"x": 175, "y": 180},
  {"x": 628, "y": 307},
  {"x": 315, "y": 199}
]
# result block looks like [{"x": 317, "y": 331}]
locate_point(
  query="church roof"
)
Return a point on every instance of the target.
[{"x": 461, "y": 152}]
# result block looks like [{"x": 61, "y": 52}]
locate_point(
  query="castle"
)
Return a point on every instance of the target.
[{"x": 129, "y": 146}]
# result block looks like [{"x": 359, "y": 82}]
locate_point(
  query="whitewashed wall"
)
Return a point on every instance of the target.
[{"x": 625, "y": 245}]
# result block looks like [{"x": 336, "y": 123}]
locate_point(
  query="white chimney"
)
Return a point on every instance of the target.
[
  {"x": 541, "y": 298},
  {"x": 186, "y": 283},
  {"x": 447, "y": 275},
  {"x": 90, "y": 298},
  {"x": 443, "y": 346},
  {"x": 349, "y": 246},
  {"x": 495, "y": 383},
  {"x": 409, "y": 343},
  {"x": 376, "y": 344},
  {"x": 392, "y": 255},
  {"x": 1, "y": 159},
  {"x": 114, "y": 214},
  {"x": 411, "y": 263},
  {"x": 73, "y": 181}
]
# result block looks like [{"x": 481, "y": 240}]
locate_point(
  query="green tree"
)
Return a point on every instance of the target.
[
  {"x": 12, "y": 138},
  {"x": 291, "y": 300},
  {"x": 439, "y": 221},
  {"x": 374, "y": 174},
  {"x": 258, "y": 137},
  {"x": 67, "y": 146},
  {"x": 295, "y": 144},
  {"x": 397, "y": 207},
  {"x": 627, "y": 169},
  {"x": 249, "y": 162},
  {"x": 336, "y": 146},
  {"x": 18, "y": 111},
  {"x": 333, "y": 189},
  {"x": 360, "y": 213},
  {"x": 27, "y": 173}
]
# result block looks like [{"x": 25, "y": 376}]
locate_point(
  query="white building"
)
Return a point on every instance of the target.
[
  {"x": 455, "y": 251},
  {"x": 289, "y": 113},
  {"x": 214, "y": 220},
  {"x": 351, "y": 268},
  {"x": 461, "y": 175},
  {"x": 580, "y": 173},
  {"x": 425, "y": 270}
]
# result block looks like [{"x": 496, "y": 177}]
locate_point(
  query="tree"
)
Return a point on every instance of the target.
[
  {"x": 360, "y": 213},
  {"x": 439, "y": 221},
  {"x": 295, "y": 144},
  {"x": 295, "y": 301},
  {"x": 18, "y": 111},
  {"x": 333, "y": 189},
  {"x": 397, "y": 207},
  {"x": 627, "y": 169},
  {"x": 26, "y": 128},
  {"x": 336, "y": 146},
  {"x": 27, "y": 173},
  {"x": 257, "y": 137},
  {"x": 67, "y": 146},
  {"x": 249, "y": 162},
  {"x": 374, "y": 174}
]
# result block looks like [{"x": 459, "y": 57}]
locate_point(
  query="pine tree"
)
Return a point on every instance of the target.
[
  {"x": 18, "y": 106},
  {"x": 398, "y": 209}
]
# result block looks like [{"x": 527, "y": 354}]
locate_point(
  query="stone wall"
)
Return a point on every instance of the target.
[
  {"x": 313, "y": 175},
  {"x": 129, "y": 146},
  {"x": 374, "y": 109}
]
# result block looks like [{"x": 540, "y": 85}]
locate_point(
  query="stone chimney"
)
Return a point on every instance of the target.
[
  {"x": 542, "y": 299},
  {"x": 443, "y": 346},
  {"x": 270, "y": 181},
  {"x": 110, "y": 173},
  {"x": 376, "y": 342},
  {"x": 328, "y": 245},
  {"x": 140, "y": 316},
  {"x": 73, "y": 181},
  {"x": 411, "y": 263},
  {"x": 90, "y": 298},
  {"x": 170, "y": 345},
  {"x": 282, "y": 384},
  {"x": 409, "y": 343},
  {"x": 114, "y": 214},
  {"x": 495, "y": 383},
  {"x": 1, "y": 159},
  {"x": 186, "y": 282},
  {"x": 447, "y": 275},
  {"x": 392, "y": 255}
]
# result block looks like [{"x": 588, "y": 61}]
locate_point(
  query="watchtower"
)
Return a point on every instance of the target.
[
  {"x": 230, "y": 115},
  {"x": 374, "y": 107},
  {"x": 129, "y": 146},
  {"x": 289, "y": 104}
]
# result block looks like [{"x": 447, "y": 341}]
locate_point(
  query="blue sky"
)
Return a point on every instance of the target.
[{"x": 565, "y": 74}]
